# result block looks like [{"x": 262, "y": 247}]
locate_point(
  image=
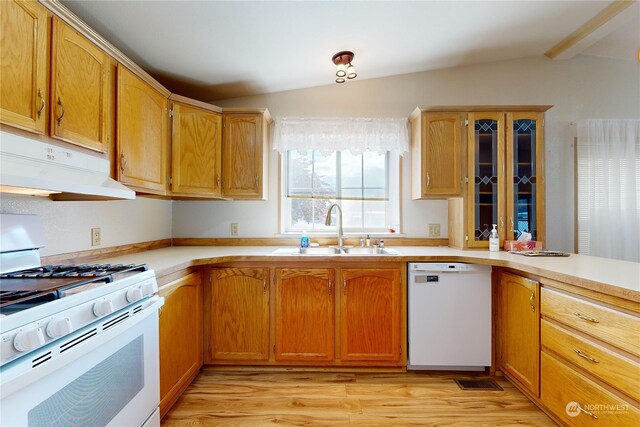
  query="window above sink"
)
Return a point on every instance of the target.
[{"x": 366, "y": 186}]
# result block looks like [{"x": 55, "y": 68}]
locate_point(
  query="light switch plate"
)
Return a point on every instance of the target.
[
  {"x": 434, "y": 230},
  {"x": 234, "y": 228}
]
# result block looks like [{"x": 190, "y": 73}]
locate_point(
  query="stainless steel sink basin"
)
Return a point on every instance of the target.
[
  {"x": 356, "y": 250},
  {"x": 318, "y": 250}
]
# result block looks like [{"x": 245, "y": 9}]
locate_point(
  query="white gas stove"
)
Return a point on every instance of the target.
[{"x": 74, "y": 340}]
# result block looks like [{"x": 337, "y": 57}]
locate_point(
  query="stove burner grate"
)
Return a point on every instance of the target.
[{"x": 84, "y": 270}]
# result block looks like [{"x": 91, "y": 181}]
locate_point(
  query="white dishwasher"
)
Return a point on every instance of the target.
[{"x": 449, "y": 316}]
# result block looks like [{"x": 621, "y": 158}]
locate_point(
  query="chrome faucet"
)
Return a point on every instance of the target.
[{"x": 327, "y": 221}]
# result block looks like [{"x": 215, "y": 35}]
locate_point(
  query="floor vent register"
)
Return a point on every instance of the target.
[{"x": 477, "y": 384}]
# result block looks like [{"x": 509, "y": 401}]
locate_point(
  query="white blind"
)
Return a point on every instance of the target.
[
  {"x": 329, "y": 134},
  {"x": 608, "y": 171}
]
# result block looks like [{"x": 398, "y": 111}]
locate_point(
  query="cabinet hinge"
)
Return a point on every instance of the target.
[
  {"x": 170, "y": 112},
  {"x": 170, "y": 180},
  {"x": 466, "y": 238},
  {"x": 466, "y": 179},
  {"x": 466, "y": 122}
]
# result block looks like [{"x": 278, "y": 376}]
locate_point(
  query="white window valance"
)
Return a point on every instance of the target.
[{"x": 341, "y": 134}]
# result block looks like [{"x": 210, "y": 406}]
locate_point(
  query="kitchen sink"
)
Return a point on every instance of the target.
[{"x": 330, "y": 250}]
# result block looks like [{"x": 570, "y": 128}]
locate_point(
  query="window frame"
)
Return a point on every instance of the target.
[{"x": 393, "y": 187}]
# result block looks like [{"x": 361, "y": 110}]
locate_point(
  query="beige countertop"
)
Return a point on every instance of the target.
[{"x": 613, "y": 277}]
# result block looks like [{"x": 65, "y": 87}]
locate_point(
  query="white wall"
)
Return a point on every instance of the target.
[
  {"x": 583, "y": 87},
  {"x": 68, "y": 224}
]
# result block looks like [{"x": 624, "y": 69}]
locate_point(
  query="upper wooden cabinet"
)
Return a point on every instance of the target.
[
  {"x": 245, "y": 154},
  {"x": 141, "y": 146},
  {"x": 80, "y": 89},
  {"x": 370, "y": 315},
  {"x": 304, "y": 314},
  {"x": 520, "y": 330},
  {"x": 196, "y": 152},
  {"x": 24, "y": 42},
  {"x": 524, "y": 175},
  {"x": 436, "y": 154},
  {"x": 504, "y": 175},
  {"x": 238, "y": 306},
  {"x": 180, "y": 337}
]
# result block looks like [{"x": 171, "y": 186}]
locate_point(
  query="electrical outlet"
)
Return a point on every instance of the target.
[
  {"x": 234, "y": 228},
  {"x": 96, "y": 238},
  {"x": 434, "y": 230}
]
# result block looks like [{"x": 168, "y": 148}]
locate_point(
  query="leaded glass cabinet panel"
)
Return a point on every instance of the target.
[
  {"x": 525, "y": 175},
  {"x": 486, "y": 177}
]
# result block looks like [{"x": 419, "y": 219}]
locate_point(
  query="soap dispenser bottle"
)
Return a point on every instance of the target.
[
  {"x": 304, "y": 240},
  {"x": 494, "y": 240}
]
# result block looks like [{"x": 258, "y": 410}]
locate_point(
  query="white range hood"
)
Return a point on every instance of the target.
[{"x": 27, "y": 165}]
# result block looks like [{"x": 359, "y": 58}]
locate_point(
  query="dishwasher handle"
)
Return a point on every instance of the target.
[{"x": 447, "y": 267}]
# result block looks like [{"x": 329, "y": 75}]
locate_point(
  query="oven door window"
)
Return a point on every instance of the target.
[{"x": 97, "y": 396}]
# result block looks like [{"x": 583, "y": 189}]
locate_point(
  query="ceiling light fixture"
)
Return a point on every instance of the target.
[{"x": 344, "y": 68}]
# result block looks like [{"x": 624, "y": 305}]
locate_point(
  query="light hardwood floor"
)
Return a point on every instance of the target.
[{"x": 347, "y": 399}]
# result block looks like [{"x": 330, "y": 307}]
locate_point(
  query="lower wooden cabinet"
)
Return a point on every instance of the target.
[
  {"x": 590, "y": 368},
  {"x": 180, "y": 337},
  {"x": 370, "y": 315},
  {"x": 304, "y": 314},
  {"x": 520, "y": 330},
  {"x": 578, "y": 401},
  {"x": 238, "y": 307}
]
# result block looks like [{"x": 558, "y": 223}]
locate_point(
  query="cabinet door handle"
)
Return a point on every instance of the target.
[
  {"x": 42, "y": 103},
  {"x": 531, "y": 300},
  {"x": 585, "y": 317},
  {"x": 428, "y": 180},
  {"x": 123, "y": 162},
  {"x": 218, "y": 180},
  {"x": 511, "y": 224},
  {"x": 344, "y": 285},
  {"x": 330, "y": 286},
  {"x": 256, "y": 181},
  {"x": 501, "y": 223},
  {"x": 585, "y": 356},
  {"x": 264, "y": 285},
  {"x": 59, "y": 119}
]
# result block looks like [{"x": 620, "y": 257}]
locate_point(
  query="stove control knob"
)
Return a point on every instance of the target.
[
  {"x": 59, "y": 327},
  {"x": 134, "y": 294},
  {"x": 103, "y": 307},
  {"x": 29, "y": 339},
  {"x": 148, "y": 289}
]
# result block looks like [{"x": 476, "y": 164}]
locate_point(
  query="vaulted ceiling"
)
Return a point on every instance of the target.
[{"x": 212, "y": 50}]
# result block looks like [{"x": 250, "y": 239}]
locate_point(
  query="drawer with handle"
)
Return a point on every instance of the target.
[
  {"x": 619, "y": 329},
  {"x": 613, "y": 368},
  {"x": 578, "y": 401}
]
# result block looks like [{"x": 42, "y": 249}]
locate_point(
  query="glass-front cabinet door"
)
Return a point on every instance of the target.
[
  {"x": 485, "y": 192},
  {"x": 524, "y": 175}
]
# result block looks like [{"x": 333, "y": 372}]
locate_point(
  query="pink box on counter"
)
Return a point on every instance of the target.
[{"x": 514, "y": 245}]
